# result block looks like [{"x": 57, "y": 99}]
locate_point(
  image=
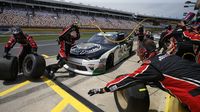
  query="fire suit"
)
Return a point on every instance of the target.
[
  {"x": 171, "y": 73},
  {"x": 195, "y": 39},
  {"x": 66, "y": 42},
  {"x": 27, "y": 43}
]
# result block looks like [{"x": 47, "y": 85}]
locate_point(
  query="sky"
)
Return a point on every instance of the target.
[{"x": 161, "y": 8}]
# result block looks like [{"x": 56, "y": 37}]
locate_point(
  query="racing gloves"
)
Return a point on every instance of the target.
[
  {"x": 34, "y": 50},
  {"x": 96, "y": 91},
  {"x": 5, "y": 55}
]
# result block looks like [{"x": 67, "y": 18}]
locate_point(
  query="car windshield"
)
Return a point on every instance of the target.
[{"x": 100, "y": 39}]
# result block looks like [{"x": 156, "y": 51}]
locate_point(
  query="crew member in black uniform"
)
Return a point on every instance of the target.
[{"x": 169, "y": 72}]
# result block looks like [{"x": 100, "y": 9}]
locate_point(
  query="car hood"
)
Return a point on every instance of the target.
[{"x": 89, "y": 50}]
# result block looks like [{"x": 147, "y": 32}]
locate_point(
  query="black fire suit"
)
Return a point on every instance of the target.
[{"x": 179, "y": 77}]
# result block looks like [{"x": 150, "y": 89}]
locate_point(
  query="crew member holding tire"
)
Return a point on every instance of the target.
[
  {"x": 66, "y": 40},
  {"x": 27, "y": 43},
  {"x": 168, "y": 72}
]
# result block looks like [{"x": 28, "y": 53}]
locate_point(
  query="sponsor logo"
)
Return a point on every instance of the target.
[
  {"x": 160, "y": 58},
  {"x": 85, "y": 49},
  {"x": 113, "y": 88}
]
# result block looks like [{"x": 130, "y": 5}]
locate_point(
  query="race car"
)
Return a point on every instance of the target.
[{"x": 101, "y": 52}]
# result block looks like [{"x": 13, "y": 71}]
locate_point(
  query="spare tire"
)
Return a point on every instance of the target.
[
  {"x": 8, "y": 68},
  {"x": 133, "y": 99},
  {"x": 33, "y": 66}
]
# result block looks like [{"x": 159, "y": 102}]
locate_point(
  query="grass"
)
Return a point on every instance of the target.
[{"x": 45, "y": 37}]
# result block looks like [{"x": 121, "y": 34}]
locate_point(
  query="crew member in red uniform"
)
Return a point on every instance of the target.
[
  {"x": 193, "y": 35},
  {"x": 66, "y": 40},
  {"x": 162, "y": 41},
  {"x": 179, "y": 77},
  {"x": 27, "y": 43}
]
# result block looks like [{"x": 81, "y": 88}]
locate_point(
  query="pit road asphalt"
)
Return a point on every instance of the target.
[{"x": 67, "y": 94}]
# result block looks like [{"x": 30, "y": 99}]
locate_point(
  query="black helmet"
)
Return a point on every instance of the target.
[
  {"x": 146, "y": 47},
  {"x": 141, "y": 29},
  {"x": 16, "y": 30},
  {"x": 168, "y": 27}
]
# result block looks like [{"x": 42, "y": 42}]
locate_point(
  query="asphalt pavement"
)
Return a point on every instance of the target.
[
  {"x": 67, "y": 93},
  {"x": 47, "y": 47}
]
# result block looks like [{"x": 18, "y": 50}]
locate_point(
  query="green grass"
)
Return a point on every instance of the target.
[{"x": 46, "y": 37}]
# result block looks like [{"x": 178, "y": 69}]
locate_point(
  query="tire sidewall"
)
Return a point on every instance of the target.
[
  {"x": 132, "y": 101},
  {"x": 110, "y": 61},
  {"x": 38, "y": 66}
]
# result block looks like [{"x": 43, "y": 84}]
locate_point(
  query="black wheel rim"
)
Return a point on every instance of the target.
[{"x": 29, "y": 65}]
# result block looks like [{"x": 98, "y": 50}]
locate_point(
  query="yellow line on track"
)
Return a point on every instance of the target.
[
  {"x": 59, "y": 107},
  {"x": 45, "y": 56},
  {"x": 167, "y": 103},
  {"x": 14, "y": 88},
  {"x": 66, "y": 96}
]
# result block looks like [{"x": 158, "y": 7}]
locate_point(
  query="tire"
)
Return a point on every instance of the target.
[
  {"x": 110, "y": 61},
  {"x": 133, "y": 99},
  {"x": 33, "y": 66},
  {"x": 185, "y": 50},
  {"x": 189, "y": 56},
  {"x": 8, "y": 68},
  {"x": 131, "y": 50}
]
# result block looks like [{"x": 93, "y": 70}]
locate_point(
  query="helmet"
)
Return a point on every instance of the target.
[
  {"x": 141, "y": 29},
  {"x": 145, "y": 48},
  {"x": 16, "y": 30}
]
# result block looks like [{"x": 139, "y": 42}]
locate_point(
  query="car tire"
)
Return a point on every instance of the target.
[
  {"x": 133, "y": 99},
  {"x": 33, "y": 66},
  {"x": 8, "y": 68},
  {"x": 110, "y": 61},
  {"x": 131, "y": 50},
  {"x": 189, "y": 56}
]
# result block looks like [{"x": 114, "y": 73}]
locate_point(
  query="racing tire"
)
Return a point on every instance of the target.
[
  {"x": 133, "y": 99},
  {"x": 185, "y": 50},
  {"x": 131, "y": 50},
  {"x": 110, "y": 61},
  {"x": 8, "y": 68},
  {"x": 189, "y": 56},
  {"x": 33, "y": 66}
]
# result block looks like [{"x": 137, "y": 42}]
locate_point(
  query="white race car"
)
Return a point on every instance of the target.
[{"x": 99, "y": 54}]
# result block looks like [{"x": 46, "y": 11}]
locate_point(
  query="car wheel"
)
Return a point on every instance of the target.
[
  {"x": 131, "y": 50},
  {"x": 34, "y": 66},
  {"x": 110, "y": 61},
  {"x": 8, "y": 68},
  {"x": 189, "y": 56},
  {"x": 133, "y": 99}
]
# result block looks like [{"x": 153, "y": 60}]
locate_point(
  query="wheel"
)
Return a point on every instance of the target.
[
  {"x": 189, "y": 56},
  {"x": 131, "y": 50},
  {"x": 33, "y": 66},
  {"x": 185, "y": 50},
  {"x": 133, "y": 99},
  {"x": 8, "y": 68},
  {"x": 110, "y": 61}
]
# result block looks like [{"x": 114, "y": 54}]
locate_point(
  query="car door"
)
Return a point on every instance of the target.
[{"x": 122, "y": 51}]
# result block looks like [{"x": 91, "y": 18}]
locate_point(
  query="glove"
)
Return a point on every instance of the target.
[
  {"x": 34, "y": 50},
  {"x": 96, "y": 91},
  {"x": 5, "y": 55}
]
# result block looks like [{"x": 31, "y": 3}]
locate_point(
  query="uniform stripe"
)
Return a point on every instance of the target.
[
  {"x": 137, "y": 72},
  {"x": 195, "y": 37}
]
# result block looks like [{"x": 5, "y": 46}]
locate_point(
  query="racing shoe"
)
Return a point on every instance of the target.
[
  {"x": 50, "y": 73},
  {"x": 72, "y": 74}
]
